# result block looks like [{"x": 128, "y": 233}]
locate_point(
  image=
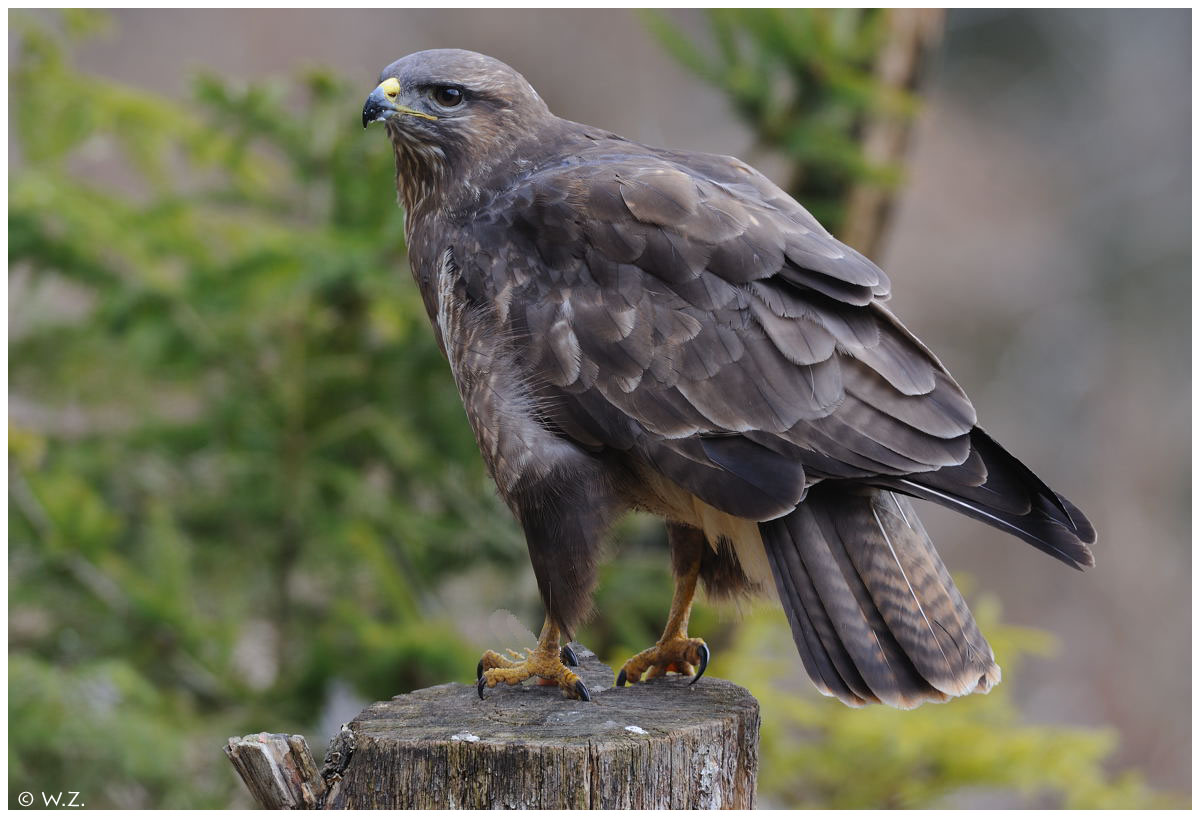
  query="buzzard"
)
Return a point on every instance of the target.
[{"x": 637, "y": 328}]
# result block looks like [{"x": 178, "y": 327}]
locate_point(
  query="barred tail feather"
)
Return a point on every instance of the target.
[{"x": 874, "y": 612}]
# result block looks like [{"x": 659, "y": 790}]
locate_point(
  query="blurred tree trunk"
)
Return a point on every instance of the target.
[
  {"x": 912, "y": 35},
  {"x": 832, "y": 90}
]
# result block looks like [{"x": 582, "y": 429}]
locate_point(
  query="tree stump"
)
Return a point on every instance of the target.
[{"x": 662, "y": 744}]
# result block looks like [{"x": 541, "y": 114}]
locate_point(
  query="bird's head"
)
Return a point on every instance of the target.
[{"x": 447, "y": 109}]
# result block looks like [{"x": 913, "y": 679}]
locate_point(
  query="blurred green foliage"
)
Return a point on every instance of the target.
[
  {"x": 241, "y": 482},
  {"x": 818, "y": 753},
  {"x": 245, "y": 467},
  {"x": 804, "y": 81}
]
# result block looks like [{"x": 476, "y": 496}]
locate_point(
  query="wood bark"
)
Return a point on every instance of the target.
[{"x": 660, "y": 744}]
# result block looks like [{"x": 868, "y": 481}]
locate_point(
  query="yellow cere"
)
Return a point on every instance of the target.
[{"x": 390, "y": 88}]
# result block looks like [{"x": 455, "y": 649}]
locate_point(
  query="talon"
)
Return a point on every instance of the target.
[
  {"x": 671, "y": 655},
  {"x": 703, "y": 651},
  {"x": 547, "y": 665},
  {"x": 581, "y": 691}
]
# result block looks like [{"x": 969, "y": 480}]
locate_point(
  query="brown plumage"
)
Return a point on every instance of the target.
[{"x": 631, "y": 327}]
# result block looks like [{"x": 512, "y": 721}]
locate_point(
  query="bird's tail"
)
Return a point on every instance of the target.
[
  {"x": 874, "y": 612},
  {"x": 997, "y": 488}
]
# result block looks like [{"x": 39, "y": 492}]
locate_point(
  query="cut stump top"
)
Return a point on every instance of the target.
[{"x": 534, "y": 714}]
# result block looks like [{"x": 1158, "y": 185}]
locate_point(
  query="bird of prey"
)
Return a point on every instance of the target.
[{"x": 638, "y": 328}]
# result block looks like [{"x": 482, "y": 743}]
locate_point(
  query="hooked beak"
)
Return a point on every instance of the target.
[{"x": 381, "y": 104}]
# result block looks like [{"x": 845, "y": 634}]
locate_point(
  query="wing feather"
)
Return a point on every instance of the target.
[{"x": 665, "y": 300}]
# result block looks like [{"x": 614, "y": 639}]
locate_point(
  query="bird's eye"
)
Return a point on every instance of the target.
[{"x": 447, "y": 96}]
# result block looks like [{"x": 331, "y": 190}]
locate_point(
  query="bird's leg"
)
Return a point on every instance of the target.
[
  {"x": 547, "y": 662},
  {"x": 675, "y": 651}
]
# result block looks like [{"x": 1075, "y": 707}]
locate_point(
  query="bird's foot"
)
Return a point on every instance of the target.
[
  {"x": 549, "y": 666},
  {"x": 678, "y": 654}
]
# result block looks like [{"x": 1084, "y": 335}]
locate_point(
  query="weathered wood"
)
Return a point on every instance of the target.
[
  {"x": 661, "y": 744},
  {"x": 279, "y": 770}
]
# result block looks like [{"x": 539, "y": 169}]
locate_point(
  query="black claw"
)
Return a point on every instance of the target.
[
  {"x": 481, "y": 685},
  {"x": 582, "y": 692},
  {"x": 621, "y": 678},
  {"x": 703, "y": 650},
  {"x": 568, "y": 656},
  {"x": 479, "y": 670}
]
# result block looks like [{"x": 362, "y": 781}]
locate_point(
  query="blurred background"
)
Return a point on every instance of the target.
[{"x": 242, "y": 492}]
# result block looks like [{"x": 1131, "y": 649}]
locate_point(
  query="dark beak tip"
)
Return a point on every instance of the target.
[{"x": 377, "y": 108}]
